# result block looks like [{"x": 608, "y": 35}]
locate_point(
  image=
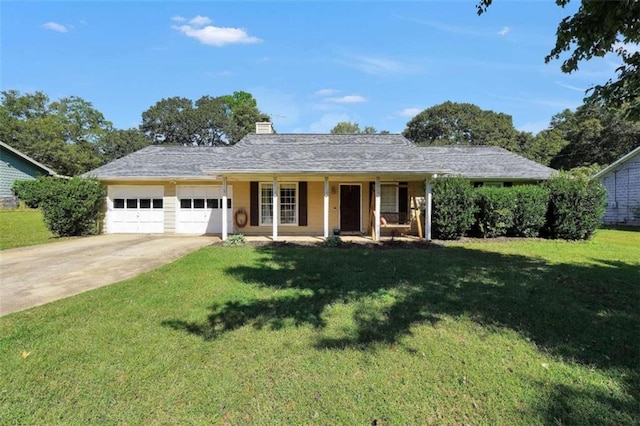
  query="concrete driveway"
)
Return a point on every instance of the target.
[{"x": 36, "y": 275}]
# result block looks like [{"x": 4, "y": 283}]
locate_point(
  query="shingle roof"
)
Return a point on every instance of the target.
[
  {"x": 326, "y": 153},
  {"x": 162, "y": 161},
  {"x": 28, "y": 159},
  {"x": 488, "y": 162},
  {"x": 617, "y": 163}
]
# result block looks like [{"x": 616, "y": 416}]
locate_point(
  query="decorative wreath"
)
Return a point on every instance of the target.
[{"x": 240, "y": 218}]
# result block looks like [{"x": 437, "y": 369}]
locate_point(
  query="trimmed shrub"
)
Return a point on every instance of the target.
[
  {"x": 575, "y": 207},
  {"x": 530, "y": 209},
  {"x": 332, "y": 241},
  {"x": 72, "y": 206},
  {"x": 235, "y": 240},
  {"x": 453, "y": 207},
  {"x": 495, "y": 215},
  {"x": 33, "y": 191}
]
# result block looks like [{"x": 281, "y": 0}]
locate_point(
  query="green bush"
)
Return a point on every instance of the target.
[
  {"x": 332, "y": 241},
  {"x": 33, "y": 192},
  {"x": 72, "y": 206},
  {"x": 530, "y": 203},
  {"x": 453, "y": 207},
  {"x": 494, "y": 216},
  {"x": 575, "y": 207},
  {"x": 235, "y": 240}
]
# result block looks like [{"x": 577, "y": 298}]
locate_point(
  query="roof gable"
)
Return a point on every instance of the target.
[
  {"x": 620, "y": 161},
  {"x": 28, "y": 159}
]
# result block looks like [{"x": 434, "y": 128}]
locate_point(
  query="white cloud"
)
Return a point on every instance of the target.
[
  {"x": 570, "y": 87},
  {"x": 214, "y": 36},
  {"x": 348, "y": 99},
  {"x": 178, "y": 18},
  {"x": 200, "y": 21},
  {"x": 409, "y": 112},
  {"x": 504, "y": 31},
  {"x": 377, "y": 65},
  {"x": 54, "y": 26},
  {"x": 327, "y": 92}
]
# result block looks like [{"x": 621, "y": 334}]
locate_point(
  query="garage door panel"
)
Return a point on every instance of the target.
[
  {"x": 135, "y": 209},
  {"x": 200, "y": 209}
]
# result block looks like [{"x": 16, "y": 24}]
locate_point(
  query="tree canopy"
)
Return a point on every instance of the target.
[
  {"x": 60, "y": 134},
  {"x": 594, "y": 135},
  {"x": 596, "y": 29},
  {"x": 207, "y": 121},
  {"x": 453, "y": 123},
  {"x": 349, "y": 128},
  {"x": 69, "y": 135}
]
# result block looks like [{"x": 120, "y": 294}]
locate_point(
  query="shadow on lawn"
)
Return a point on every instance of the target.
[{"x": 586, "y": 313}]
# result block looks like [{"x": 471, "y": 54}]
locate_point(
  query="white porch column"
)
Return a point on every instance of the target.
[
  {"x": 276, "y": 209},
  {"x": 225, "y": 231},
  {"x": 377, "y": 210},
  {"x": 326, "y": 207},
  {"x": 428, "y": 199}
]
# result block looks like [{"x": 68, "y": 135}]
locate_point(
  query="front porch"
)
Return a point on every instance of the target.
[
  {"x": 348, "y": 239},
  {"x": 311, "y": 207}
]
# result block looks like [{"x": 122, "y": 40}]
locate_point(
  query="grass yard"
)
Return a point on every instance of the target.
[
  {"x": 527, "y": 332},
  {"x": 19, "y": 228}
]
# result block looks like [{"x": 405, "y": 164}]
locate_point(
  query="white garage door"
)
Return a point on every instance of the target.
[
  {"x": 135, "y": 209},
  {"x": 199, "y": 209}
]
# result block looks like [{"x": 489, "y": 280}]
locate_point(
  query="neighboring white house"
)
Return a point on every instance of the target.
[{"x": 622, "y": 181}]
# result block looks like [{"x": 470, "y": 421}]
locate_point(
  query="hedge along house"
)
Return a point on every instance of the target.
[
  {"x": 621, "y": 179},
  {"x": 293, "y": 184},
  {"x": 14, "y": 165}
]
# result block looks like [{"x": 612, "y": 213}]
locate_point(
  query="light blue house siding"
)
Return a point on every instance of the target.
[{"x": 14, "y": 167}]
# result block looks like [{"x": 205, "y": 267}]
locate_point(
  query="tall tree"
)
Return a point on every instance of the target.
[
  {"x": 83, "y": 123},
  {"x": 207, "y": 121},
  {"x": 461, "y": 124},
  {"x": 594, "y": 135},
  {"x": 118, "y": 143},
  {"x": 346, "y": 128},
  {"x": 61, "y": 134},
  {"x": 243, "y": 115},
  {"x": 349, "y": 128},
  {"x": 596, "y": 29},
  {"x": 168, "y": 121}
]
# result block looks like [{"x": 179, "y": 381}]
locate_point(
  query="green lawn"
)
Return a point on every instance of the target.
[
  {"x": 19, "y": 228},
  {"x": 531, "y": 332}
]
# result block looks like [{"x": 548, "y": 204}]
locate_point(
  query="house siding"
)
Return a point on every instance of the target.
[
  {"x": 169, "y": 202},
  {"x": 623, "y": 193},
  {"x": 13, "y": 168},
  {"x": 242, "y": 200}
]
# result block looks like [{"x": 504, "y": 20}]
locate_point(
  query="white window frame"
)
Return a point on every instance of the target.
[{"x": 260, "y": 203}]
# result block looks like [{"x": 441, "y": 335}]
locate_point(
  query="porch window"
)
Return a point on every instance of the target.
[
  {"x": 389, "y": 198},
  {"x": 288, "y": 203}
]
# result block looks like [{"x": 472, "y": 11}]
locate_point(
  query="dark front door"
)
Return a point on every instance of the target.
[{"x": 350, "y": 208}]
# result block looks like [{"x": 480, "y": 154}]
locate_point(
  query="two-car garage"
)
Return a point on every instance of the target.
[{"x": 194, "y": 209}]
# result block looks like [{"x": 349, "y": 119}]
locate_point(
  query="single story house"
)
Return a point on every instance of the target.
[
  {"x": 622, "y": 182},
  {"x": 14, "y": 165},
  {"x": 293, "y": 184}
]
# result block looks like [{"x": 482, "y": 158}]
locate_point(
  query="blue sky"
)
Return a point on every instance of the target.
[{"x": 309, "y": 64}]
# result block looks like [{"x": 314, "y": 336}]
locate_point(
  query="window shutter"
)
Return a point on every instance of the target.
[
  {"x": 254, "y": 214},
  {"x": 403, "y": 202},
  {"x": 302, "y": 204}
]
